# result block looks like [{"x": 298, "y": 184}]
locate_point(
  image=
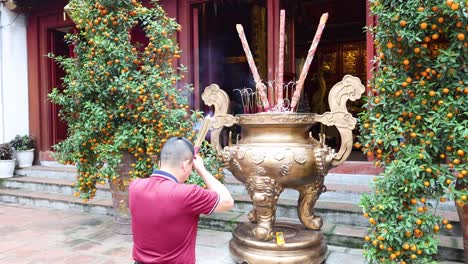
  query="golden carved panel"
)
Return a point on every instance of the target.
[
  {"x": 329, "y": 62},
  {"x": 235, "y": 60},
  {"x": 340, "y": 59},
  {"x": 350, "y": 61}
]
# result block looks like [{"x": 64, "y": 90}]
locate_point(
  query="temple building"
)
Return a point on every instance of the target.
[{"x": 211, "y": 50}]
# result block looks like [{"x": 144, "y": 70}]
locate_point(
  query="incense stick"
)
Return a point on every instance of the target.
[
  {"x": 205, "y": 127},
  {"x": 279, "y": 79},
  {"x": 308, "y": 61},
  {"x": 258, "y": 82}
]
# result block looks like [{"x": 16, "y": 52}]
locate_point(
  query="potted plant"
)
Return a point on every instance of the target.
[
  {"x": 24, "y": 150},
  {"x": 7, "y": 163}
]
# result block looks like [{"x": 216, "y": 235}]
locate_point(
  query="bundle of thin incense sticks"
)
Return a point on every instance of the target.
[
  {"x": 205, "y": 127},
  {"x": 276, "y": 91}
]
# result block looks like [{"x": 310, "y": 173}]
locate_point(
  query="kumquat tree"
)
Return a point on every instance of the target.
[
  {"x": 416, "y": 126},
  {"x": 120, "y": 94}
]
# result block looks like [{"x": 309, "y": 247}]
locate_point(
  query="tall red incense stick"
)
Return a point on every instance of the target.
[
  {"x": 308, "y": 61},
  {"x": 258, "y": 82},
  {"x": 279, "y": 79}
]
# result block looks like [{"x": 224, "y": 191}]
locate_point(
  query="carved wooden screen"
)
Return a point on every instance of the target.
[{"x": 339, "y": 59}]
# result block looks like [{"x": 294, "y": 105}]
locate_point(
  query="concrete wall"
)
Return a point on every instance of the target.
[{"x": 14, "y": 113}]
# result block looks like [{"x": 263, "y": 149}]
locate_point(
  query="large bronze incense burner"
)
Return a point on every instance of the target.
[{"x": 276, "y": 151}]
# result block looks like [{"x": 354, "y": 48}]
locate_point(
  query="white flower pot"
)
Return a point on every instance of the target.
[
  {"x": 7, "y": 168},
  {"x": 25, "y": 158}
]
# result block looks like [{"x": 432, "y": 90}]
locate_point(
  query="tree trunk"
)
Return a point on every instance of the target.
[
  {"x": 119, "y": 190},
  {"x": 463, "y": 215}
]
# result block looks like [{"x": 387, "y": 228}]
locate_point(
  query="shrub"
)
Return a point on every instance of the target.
[
  {"x": 25, "y": 142},
  {"x": 119, "y": 95},
  {"x": 415, "y": 126},
  {"x": 6, "y": 152},
  {"x": 212, "y": 163}
]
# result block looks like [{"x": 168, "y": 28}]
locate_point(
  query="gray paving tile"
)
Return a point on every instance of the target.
[
  {"x": 211, "y": 255},
  {"x": 88, "y": 238},
  {"x": 341, "y": 258},
  {"x": 213, "y": 238}
]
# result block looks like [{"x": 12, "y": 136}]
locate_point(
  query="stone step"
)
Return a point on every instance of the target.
[
  {"x": 450, "y": 248},
  {"x": 340, "y": 187},
  {"x": 57, "y": 201},
  {"x": 334, "y": 207},
  {"x": 59, "y": 172},
  {"x": 334, "y": 182},
  {"x": 335, "y": 212},
  {"x": 340, "y": 191},
  {"x": 356, "y": 183},
  {"x": 346, "y": 187},
  {"x": 51, "y": 185},
  {"x": 331, "y": 211},
  {"x": 343, "y": 187}
]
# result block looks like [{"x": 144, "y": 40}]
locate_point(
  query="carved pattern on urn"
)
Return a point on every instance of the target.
[
  {"x": 226, "y": 155},
  {"x": 260, "y": 171},
  {"x": 300, "y": 156},
  {"x": 279, "y": 156},
  {"x": 257, "y": 157},
  {"x": 294, "y": 119},
  {"x": 285, "y": 169},
  {"x": 241, "y": 153},
  {"x": 323, "y": 157},
  {"x": 236, "y": 165}
]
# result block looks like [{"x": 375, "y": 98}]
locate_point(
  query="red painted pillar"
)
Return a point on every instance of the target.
[
  {"x": 273, "y": 10},
  {"x": 370, "y": 51}
]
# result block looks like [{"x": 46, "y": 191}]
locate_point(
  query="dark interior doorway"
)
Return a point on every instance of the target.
[
  {"x": 59, "y": 47},
  {"x": 219, "y": 53},
  {"x": 221, "y": 57},
  {"x": 341, "y": 51}
]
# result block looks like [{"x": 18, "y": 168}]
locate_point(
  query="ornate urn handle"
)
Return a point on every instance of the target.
[
  {"x": 350, "y": 88},
  {"x": 214, "y": 96}
]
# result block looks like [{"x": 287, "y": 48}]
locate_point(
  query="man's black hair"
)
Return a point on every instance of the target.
[{"x": 176, "y": 150}]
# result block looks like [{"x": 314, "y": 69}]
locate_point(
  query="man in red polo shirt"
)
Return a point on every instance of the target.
[{"x": 165, "y": 211}]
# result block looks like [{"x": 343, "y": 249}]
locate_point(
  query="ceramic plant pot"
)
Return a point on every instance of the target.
[
  {"x": 7, "y": 168},
  {"x": 24, "y": 158}
]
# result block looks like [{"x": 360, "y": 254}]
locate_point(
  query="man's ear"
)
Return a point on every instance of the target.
[{"x": 186, "y": 165}]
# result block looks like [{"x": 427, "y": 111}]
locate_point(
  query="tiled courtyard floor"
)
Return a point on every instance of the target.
[{"x": 48, "y": 236}]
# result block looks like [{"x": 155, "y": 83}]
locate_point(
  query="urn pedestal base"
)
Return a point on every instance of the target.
[{"x": 303, "y": 246}]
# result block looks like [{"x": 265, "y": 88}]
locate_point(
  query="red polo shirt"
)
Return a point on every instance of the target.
[{"x": 165, "y": 218}]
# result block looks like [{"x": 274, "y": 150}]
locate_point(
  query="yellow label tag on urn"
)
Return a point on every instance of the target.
[{"x": 280, "y": 239}]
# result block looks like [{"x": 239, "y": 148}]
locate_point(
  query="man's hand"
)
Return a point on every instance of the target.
[
  {"x": 198, "y": 164},
  {"x": 226, "y": 202}
]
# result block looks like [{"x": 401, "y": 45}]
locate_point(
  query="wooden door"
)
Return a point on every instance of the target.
[
  {"x": 46, "y": 26},
  {"x": 58, "y": 46}
]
